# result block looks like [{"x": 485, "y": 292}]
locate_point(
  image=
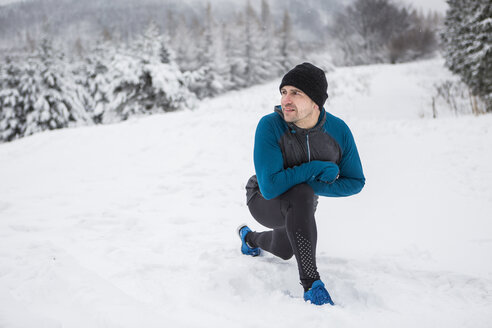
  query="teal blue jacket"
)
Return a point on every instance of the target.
[{"x": 325, "y": 157}]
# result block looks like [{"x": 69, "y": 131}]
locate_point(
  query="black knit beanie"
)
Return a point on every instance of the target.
[{"x": 309, "y": 79}]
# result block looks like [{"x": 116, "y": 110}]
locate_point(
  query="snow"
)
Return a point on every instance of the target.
[
  {"x": 133, "y": 224},
  {"x": 439, "y": 6}
]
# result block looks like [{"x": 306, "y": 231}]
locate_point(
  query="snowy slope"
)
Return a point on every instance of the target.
[{"x": 133, "y": 225}]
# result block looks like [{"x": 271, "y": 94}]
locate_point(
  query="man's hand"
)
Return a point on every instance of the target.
[{"x": 329, "y": 173}]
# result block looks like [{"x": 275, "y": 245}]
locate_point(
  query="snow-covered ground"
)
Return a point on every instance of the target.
[{"x": 133, "y": 224}]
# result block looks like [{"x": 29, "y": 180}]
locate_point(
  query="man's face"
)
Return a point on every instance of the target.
[{"x": 298, "y": 108}]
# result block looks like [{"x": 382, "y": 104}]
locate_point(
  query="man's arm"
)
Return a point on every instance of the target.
[
  {"x": 273, "y": 179},
  {"x": 351, "y": 179}
]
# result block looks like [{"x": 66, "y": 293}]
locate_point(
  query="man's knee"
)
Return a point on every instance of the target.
[{"x": 286, "y": 254}]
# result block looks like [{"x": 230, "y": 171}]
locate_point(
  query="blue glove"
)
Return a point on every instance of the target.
[{"x": 329, "y": 173}]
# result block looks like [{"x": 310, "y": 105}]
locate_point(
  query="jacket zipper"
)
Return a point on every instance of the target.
[{"x": 308, "y": 148}]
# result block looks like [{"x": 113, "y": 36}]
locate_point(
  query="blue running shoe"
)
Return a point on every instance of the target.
[
  {"x": 243, "y": 230},
  {"x": 318, "y": 294}
]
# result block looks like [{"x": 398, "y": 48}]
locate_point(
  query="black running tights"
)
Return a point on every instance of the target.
[{"x": 291, "y": 218}]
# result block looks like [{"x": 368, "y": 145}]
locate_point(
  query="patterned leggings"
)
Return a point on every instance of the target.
[{"x": 291, "y": 218}]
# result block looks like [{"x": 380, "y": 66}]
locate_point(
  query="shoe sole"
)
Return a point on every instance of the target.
[{"x": 238, "y": 230}]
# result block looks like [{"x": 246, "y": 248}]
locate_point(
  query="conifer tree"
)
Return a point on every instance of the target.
[
  {"x": 236, "y": 44},
  {"x": 94, "y": 76},
  {"x": 269, "y": 45},
  {"x": 166, "y": 54},
  {"x": 288, "y": 46},
  {"x": 252, "y": 47},
  {"x": 12, "y": 118},
  {"x": 49, "y": 97},
  {"x": 468, "y": 45},
  {"x": 185, "y": 42},
  {"x": 221, "y": 59},
  {"x": 213, "y": 75},
  {"x": 143, "y": 83}
]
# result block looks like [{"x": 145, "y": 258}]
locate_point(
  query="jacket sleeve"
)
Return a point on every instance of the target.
[
  {"x": 273, "y": 179},
  {"x": 351, "y": 179}
]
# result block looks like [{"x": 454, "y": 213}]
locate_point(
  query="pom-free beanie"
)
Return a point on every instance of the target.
[{"x": 310, "y": 79}]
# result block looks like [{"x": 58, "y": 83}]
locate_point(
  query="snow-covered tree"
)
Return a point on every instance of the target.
[
  {"x": 254, "y": 51},
  {"x": 142, "y": 83},
  {"x": 127, "y": 74},
  {"x": 213, "y": 75},
  {"x": 269, "y": 44},
  {"x": 467, "y": 42},
  {"x": 255, "y": 71},
  {"x": 94, "y": 78},
  {"x": 166, "y": 53},
  {"x": 12, "y": 118},
  {"x": 235, "y": 44},
  {"x": 41, "y": 95},
  {"x": 185, "y": 42}
]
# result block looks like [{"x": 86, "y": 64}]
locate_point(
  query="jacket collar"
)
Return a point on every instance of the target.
[{"x": 292, "y": 126}]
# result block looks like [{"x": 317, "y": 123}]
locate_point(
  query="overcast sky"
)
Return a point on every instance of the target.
[
  {"x": 4, "y": 2},
  {"x": 437, "y": 5}
]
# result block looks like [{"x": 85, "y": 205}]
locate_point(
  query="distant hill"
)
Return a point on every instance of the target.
[{"x": 88, "y": 19}]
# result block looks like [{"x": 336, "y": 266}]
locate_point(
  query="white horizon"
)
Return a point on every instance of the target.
[{"x": 436, "y": 5}]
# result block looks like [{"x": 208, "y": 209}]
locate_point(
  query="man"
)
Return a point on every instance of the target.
[{"x": 300, "y": 152}]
